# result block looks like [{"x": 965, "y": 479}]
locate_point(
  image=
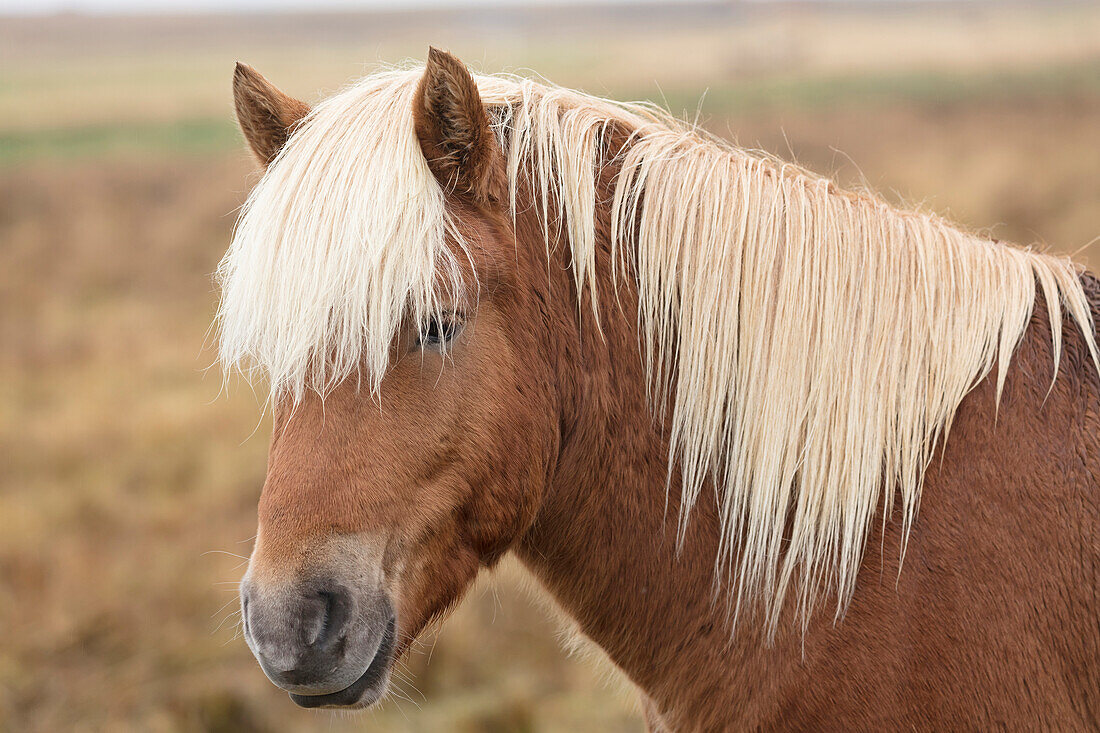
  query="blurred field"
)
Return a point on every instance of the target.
[{"x": 128, "y": 487}]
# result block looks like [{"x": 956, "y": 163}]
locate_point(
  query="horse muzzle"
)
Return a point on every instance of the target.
[{"x": 323, "y": 642}]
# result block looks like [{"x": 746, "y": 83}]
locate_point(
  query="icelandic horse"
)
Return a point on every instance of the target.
[{"x": 686, "y": 385}]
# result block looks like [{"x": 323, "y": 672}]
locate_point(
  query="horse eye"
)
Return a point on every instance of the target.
[{"x": 439, "y": 331}]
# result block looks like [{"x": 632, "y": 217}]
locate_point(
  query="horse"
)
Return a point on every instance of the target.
[{"x": 686, "y": 384}]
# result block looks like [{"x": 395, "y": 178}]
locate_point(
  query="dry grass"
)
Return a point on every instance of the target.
[
  {"x": 129, "y": 491},
  {"x": 123, "y": 481}
]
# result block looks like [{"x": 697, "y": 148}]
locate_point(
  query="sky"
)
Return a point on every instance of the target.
[{"x": 39, "y": 7}]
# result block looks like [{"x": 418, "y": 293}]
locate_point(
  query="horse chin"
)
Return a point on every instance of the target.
[{"x": 371, "y": 686}]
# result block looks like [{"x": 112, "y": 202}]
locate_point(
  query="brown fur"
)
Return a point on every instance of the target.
[
  {"x": 536, "y": 436},
  {"x": 454, "y": 131},
  {"x": 266, "y": 115}
]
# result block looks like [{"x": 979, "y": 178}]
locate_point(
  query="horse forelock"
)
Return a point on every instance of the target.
[
  {"x": 821, "y": 341},
  {"x": 342, "y": 240}
]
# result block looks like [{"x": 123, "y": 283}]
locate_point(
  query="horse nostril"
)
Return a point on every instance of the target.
[
  {"x": 334, "y": 615},
  {"x": 315, "y": 637}
]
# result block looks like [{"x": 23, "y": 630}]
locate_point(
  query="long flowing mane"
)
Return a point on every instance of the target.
[{"x": 821, "y": 341}]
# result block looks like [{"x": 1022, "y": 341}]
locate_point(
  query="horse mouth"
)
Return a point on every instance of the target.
[{"x": 366, "y": 690}]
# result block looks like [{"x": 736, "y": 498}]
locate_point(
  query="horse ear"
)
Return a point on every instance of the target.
[
  {"x": 454, "y": 131},
  {"x": 266, "y": 115}
]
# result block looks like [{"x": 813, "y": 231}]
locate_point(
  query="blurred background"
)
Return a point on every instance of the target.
[{"x": 128, "y": 486}]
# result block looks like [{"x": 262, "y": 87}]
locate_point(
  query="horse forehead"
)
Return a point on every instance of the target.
[{"x": 488, "y": 252}]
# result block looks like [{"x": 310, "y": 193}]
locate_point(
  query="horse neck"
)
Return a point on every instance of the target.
[{"x": 604, "y": 542}]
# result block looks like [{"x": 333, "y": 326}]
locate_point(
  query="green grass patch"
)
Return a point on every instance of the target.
[
  {"x": 182, "y": 136},
  {"x": 922, "y": 87}
]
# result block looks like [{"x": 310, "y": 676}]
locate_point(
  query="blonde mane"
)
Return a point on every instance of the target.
[{"x": 821, "y": 341}]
